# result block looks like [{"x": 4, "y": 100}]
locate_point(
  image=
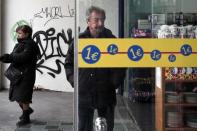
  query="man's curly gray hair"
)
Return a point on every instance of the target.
[{"x": 92, "y": 9}]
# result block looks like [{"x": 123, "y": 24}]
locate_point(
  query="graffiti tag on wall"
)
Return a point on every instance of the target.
[
  {"x": 52, "y": 13},
  {"x": 52, "y": 49}
]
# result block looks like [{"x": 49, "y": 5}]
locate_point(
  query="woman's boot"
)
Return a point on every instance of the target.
[
  {"x": 30, "y": 110},
  {"x": 25, "y": 119}
]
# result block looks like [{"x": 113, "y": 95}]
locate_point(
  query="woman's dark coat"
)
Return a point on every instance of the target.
[{"x": 23, "y": 57}]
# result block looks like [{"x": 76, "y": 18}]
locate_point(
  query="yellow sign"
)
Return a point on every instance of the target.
[{"x": 129, "y": 52}]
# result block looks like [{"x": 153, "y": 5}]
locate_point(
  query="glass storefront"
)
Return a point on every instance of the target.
[{"x": 153, "y": 99}]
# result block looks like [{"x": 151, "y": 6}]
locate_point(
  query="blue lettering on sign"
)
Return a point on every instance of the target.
[
  {"x": 112, "y": 49},
  {"x": 186, "y": 50},
  {"x": 135, "y": 53},
  {"x": 155, "y": 55},
  {"x": 172, "y": 58},
  {"x": 91, "y": 54}
]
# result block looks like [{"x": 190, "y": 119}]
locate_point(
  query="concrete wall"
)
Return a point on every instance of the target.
[
  {"x": 49, "y": 20},
  {"x": 111, "y": 9}
]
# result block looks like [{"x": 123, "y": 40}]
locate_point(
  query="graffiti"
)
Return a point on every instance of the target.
[
  {"x": 13, "y": 33},
  {"x": 52, "y": 13},
  {"x": 49, "y": 44}
]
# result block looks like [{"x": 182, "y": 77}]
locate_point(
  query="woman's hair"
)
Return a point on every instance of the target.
[{"x": 26, "y": 29}]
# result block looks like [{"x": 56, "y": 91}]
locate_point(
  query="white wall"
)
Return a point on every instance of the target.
[
  {"x": 30, "y": 11},
  {"x": 42, "y": 15},
  {"x": 111, "y": 8}
]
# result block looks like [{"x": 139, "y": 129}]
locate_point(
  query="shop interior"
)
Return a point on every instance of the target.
[{"x": 171, "y": 105}]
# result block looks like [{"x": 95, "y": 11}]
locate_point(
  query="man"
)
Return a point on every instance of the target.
[{"x": 96, "y": 85}]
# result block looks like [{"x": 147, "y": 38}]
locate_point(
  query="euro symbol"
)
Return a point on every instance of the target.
[
  {"x": 189, "y": 50},
  {"x": 138, "y": 53},
  {"x": 94, "y": 55},
  {"x": 158, "y": 56},
  {"x": 115, "y": 50}
]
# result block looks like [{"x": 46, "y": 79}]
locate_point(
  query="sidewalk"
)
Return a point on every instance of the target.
[{"x": 53, "y": 111}]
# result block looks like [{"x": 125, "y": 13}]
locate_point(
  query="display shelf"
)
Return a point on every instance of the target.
[
  {"x": 176, "y": 101},
  {"x": 143, "y": 90},
  {"x": 181, "y": 129},
  {"x": 181, "y": 104},
  {"x": 180, "y": 81}
]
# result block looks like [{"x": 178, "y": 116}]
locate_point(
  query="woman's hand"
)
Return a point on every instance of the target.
[{"x": 6, "y": 58}]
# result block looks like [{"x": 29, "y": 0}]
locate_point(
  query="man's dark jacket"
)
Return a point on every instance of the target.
[{"x": 96, "y": 85}]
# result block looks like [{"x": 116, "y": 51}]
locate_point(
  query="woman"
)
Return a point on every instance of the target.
[{"x": 23, "y": 58}]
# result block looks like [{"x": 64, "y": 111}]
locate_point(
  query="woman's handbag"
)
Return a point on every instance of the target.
[{"x": 13, "y": 74}]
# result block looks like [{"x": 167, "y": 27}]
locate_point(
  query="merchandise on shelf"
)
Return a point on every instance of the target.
[
  {"x": 182, "y": 73},
  {"x": 174, "y": 31}
]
